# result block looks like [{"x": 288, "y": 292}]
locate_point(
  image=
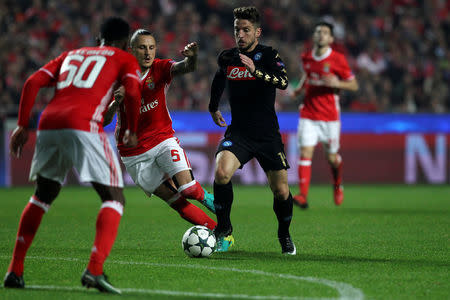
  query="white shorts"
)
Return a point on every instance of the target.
[
  {"x": 91, "y": 154},
  {"x": 150, "y": 169},
  {"x": 311, "y": 132}
]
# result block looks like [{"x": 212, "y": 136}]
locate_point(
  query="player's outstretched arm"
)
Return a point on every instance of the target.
[
  {"x": 189, "y": 64},
  {"x": 114, "y": 105}
]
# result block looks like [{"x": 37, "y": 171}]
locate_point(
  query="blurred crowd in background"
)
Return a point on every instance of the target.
[{"x": 398, "y": 49}]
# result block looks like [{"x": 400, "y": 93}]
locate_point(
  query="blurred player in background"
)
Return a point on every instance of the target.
[
  {"x": 325, "y": 72},
  {"x": 70, "y": 134},
  {"x": 252, "y": 73},
  {"x": 158, "y": 164}
]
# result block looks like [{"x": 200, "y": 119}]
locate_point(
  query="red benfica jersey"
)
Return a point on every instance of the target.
[
  {"x": 155, "y": 123},
  {"x": 84, "y": 81},
  {"x": 322, "y": 103}
]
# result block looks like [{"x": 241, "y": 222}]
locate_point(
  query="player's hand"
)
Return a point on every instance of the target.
[
  {"x": 119, "y": 94},
  {"x": 248, "y": 62},
  {"x": 331, "y": 81},
  {"x": 18, "y": 139},
  {"x": 130, "y": 139},
  {"x": 294, "y": 94},
  {"x": 218, "y": 119},
  {"x": 190, "y": 50}
]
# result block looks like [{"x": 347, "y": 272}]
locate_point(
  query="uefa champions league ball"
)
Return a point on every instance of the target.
[{"x": 198, "y": 241}]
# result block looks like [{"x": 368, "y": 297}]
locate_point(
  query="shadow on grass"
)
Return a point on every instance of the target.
[
  {"x": 396, "y": 211},
  {"x": 276, "y": 256}
]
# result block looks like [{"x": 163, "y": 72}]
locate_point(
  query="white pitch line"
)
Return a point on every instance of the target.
[{"x": 346, "y": 291}]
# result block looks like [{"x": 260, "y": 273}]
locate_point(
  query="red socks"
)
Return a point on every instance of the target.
[
  {"x": 192, "y": 213},
  {"x": 337, "y": 171},
  {"x": 304, "y": 175},
  {"x": 192, "y": 190},
  {"x": 108, "y": 220},
  {"x": 28, "y": 226}
]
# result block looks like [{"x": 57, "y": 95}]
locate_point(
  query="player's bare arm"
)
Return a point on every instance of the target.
[
  {"x": 334, "y": 82},
  {"x": 19, "y": 138},
  {"x": 189, "y": 64},
  {"x": 218, "y": 118},
  {"x": 119, "y": 94},
  {"x": 299, "y": 88}
]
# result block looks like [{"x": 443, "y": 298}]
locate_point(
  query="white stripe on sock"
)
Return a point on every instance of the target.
[
  {"x": 304, "y": 162},
  {"x": 187, "y": 185},
  {"x": 116, "y": 205},
  {"x": 42, "y": 205}
]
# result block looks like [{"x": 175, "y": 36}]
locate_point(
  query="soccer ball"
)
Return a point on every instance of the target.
[{"x": 198, "y": 241}]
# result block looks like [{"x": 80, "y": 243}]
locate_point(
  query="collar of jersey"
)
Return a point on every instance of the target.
[{"x": 323, "y": 56}]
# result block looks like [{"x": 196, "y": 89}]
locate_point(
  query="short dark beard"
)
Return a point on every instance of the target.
[{"x": 248, "y": 47}]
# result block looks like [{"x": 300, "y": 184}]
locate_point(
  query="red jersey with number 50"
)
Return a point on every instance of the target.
[
  {"x": 155, "y": 123},
  {"x": 84, "y": 81},
  {"x": 321, "y": 103}
]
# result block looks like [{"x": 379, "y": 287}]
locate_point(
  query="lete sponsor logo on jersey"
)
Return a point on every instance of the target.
[{"x": 239, "y": 73}]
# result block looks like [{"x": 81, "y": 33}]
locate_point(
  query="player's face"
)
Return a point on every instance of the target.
[
  {"x": 322, "y": 36},
  {"x": 144, "y": 49},
  {"x": 246, "y": 35}
]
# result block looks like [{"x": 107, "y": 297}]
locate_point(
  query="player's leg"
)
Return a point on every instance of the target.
[
  {"x": 304, "y": 175},
  {"x": 226, "y": 165},
  {"x": 46, "y": 191},
  {"x": 189, "y": 188},
  {"x": 173, "y": 160},
  {"x": 96, "y": 162},
  {"x": 187, "y": 210},
  {"x": 49, "y": 167},
  {"x": 282, "y": 206},
  {"x": 106, "y": 227},
  {"x": 307, "y": 138},
  {"x": 335, "y": 160}
]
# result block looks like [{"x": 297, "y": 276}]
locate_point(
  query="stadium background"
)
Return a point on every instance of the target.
[{"x": 395, "y": 128}]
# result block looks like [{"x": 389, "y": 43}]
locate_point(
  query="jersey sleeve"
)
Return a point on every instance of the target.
[
  {"x": 45, "y": 76},
  {"x": 52, "y": 67},
  {"x": 218, "y": 85},
  {"x": 164, "y": 67},
  {"x": 343, "y": 69},
  {"x": 273, "y": 71},
  {"x": 130, "y": 79}
]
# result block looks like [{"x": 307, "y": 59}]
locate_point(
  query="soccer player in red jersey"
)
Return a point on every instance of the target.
[
  {"x": 326, "y": 71},
  {"x": 70, "y": 134},
  {"x": 158, "y": 164}
]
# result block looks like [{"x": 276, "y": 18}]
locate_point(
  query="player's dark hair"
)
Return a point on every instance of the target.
[
  {"x": 248, "y": 13},
  {"x": 114, "y": 29},
  {"x": 324, "y": 23},
  {"x": 139, "y": 32}
]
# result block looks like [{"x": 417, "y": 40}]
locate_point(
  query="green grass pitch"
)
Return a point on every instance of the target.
[{"x": 384, "y": 242}]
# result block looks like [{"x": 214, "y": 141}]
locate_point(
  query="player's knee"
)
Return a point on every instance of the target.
[
  {"x": 221, "y": 176},
  {"x": 334, "y": 159},
  {"x": 281, "y": 192},
  {"x": 109, "y": 193},
  {"x": 47, "y": 190}
]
